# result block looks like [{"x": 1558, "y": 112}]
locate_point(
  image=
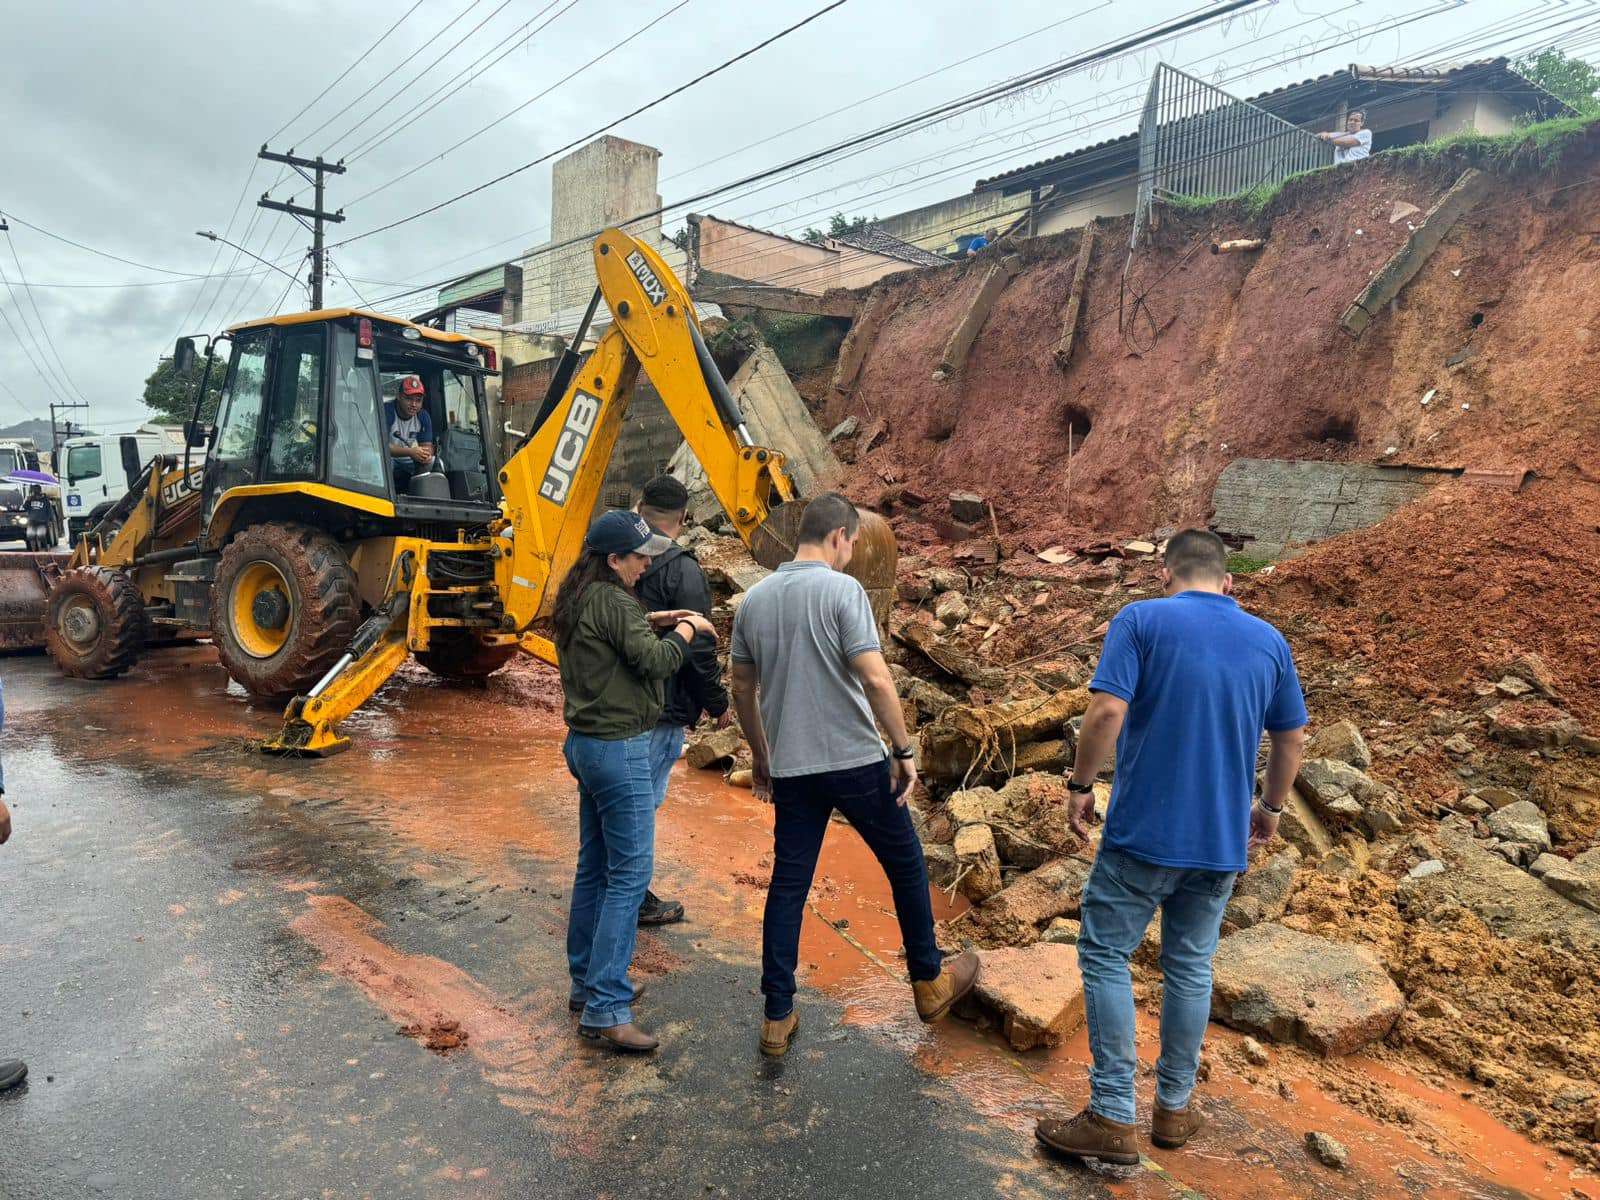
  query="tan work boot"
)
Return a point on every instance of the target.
[
  {"x": 1089, "y": 1135},
  {"x": 936, "y": 996},
  {"x": 777, "y": 1036},
  {"x": 629, "y": 1038},
  {"x": 1172, "y": 1127}
]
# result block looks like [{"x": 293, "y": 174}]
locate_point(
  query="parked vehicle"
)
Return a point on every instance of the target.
[
  {"x": 93, "y": 474},
  {"x": 18, "y": 460}
]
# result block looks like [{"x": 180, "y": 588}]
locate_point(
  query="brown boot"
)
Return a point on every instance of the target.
[
  {"x": 935, "y": 996},
  {"x": 1089, "y": 1135},
  {"x": 629, "y": 1038},
  {"x": 777, "y": 1036},
  {"x": 1172, "y": 1127}
]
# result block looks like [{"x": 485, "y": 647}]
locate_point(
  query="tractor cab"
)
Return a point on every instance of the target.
[{"x": 303, "y": 428}]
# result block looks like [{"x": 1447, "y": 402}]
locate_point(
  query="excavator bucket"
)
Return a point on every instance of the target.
[{"x": 25, "y": 580}]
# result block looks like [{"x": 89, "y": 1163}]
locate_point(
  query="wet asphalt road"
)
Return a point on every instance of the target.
[{"x": 185, "y": 1039}]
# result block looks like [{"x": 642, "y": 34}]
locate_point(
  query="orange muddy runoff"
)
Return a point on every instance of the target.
[{"x": 507, "y": 795}]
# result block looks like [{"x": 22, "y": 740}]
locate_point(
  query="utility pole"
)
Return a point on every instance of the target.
[
  {"x": 315, "y": 215},
  {"x": 56, "y": 436}
]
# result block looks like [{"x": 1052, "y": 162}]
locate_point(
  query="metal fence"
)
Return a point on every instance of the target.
[{"x": 1197, "y": 140}]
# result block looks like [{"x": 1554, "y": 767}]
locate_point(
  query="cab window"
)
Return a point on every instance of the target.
[
  {"x": 356, "y": 453},
  {"x": 461, "y": 442},
  {"x": 240, "y": 421},
  {"x": 294, "y": 421},
  {"x": 83, "y": 462}
]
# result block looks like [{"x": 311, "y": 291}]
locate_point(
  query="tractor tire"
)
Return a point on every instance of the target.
[
  {"x": 94, "y": 624},
  {"x": 283, "y": 608},
  {"x": 456, "y": 654}
]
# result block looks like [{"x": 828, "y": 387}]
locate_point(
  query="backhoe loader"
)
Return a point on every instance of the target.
[{"x": 288, "y": 543}]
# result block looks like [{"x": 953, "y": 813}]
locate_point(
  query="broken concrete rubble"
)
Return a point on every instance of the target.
[
  {"x": 1035, "y": 991},
  {"x": 987, "y": 740},
  {"x": 1341, "y": 741},
  {"x": 1262, "y": 892},
  {"x": 1330, "y": 997},
  {"x": 1577, "y": 880},
  {"x": 715, "y": 749},
  {"x": 1013, "y": 916},
  {"x": 1523, "y": 824},
  {"x": 1533, "y": 724}
]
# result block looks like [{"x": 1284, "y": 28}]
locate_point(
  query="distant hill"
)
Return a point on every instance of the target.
[{"x": 38, "y": 430}]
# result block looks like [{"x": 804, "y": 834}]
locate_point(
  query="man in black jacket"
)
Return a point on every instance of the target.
[{"x": 674, "y": 580}]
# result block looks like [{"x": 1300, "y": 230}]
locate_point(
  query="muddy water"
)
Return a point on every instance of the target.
[{"x": 477, "y": 776}]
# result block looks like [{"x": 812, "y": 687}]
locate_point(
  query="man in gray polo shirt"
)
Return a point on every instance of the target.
[{"x": 805, "y": 645}]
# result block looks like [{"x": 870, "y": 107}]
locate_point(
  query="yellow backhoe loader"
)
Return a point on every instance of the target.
[{"x": 288, "y": 542}]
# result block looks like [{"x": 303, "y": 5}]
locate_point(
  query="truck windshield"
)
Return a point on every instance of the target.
[
  {"x": 8, "y": 461},
  {"x": 83, "y": 462}
]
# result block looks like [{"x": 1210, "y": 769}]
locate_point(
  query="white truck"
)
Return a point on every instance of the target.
[{"x": 92, "y": 473}]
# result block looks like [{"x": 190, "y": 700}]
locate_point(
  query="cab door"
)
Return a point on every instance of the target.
[{"x": 234, "y": 458}]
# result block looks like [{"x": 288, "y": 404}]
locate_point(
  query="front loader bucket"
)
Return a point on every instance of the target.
[{"x": 25, "y": 580}]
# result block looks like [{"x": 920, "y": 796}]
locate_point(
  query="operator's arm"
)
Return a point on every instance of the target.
[
  {"x": 691, "y": 591},
  {"x": 424, "y": 438},
  {"x": 626, "y": 628}
]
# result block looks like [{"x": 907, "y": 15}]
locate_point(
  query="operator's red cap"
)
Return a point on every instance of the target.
[{"x": 412, "y": 386}]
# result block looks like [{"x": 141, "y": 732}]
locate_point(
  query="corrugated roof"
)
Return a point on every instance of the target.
[
  {"x": 880, "y": 241},
  {"x": 1355, "y": 73}
]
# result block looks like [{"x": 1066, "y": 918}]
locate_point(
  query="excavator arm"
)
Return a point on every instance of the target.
[{"x": 552, "y": 483}]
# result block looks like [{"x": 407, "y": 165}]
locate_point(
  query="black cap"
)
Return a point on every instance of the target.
[
  {"x": 665, "y": 494},
  {"x": 619, "y": 532}
]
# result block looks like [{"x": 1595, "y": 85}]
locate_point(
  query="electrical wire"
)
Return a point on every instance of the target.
[{"x": 22, "y": 280}]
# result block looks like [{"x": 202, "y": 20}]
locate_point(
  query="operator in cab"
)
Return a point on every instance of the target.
[{"x": 410, "y": 432}]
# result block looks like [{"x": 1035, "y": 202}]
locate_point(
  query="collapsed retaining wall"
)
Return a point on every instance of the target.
[{"x": 1486, "y": 359}]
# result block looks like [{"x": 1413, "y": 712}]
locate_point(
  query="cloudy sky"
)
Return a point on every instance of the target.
[{"x": 128, "y": 127}]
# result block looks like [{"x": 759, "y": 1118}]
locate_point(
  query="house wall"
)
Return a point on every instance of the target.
[
  {"x": 724, "y": 248},
  {"x": 937, "y": 226},
  {"x": 1111, "y": 198},
  {"x": 1482, "y": 112}
]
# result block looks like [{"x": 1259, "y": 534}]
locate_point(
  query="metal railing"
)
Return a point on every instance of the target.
[{"x": 1197, "y": 140}]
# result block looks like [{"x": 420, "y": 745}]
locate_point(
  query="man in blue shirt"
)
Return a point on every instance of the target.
[
  {"x": 410, "y": 432},
  {"x": 1185, "y": 687}
]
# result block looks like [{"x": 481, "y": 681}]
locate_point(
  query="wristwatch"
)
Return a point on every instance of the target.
[
  {"x": 1262, "y": 800},
  {"x": 904, "y": 754},
  {"x": 1082, "y": 789}
]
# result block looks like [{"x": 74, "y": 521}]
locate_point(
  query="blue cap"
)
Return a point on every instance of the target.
[{"x": 619, "y": 532}]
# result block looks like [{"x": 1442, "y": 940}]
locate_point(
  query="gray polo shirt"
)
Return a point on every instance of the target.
[{"x": 800, "y": 627}]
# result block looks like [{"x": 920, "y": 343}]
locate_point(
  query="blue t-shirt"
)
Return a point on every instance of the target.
[
  {"x": 1203, "y": 679},
  {"x": 417, "y": 431}
]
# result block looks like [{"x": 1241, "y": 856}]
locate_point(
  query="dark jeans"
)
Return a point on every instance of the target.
[{"x": 802, "y": 805}]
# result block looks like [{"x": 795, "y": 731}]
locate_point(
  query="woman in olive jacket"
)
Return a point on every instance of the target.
[{"x": 613, "y": 666}]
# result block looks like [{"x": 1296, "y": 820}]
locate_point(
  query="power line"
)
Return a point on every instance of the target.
[
  {"x": 474, "y": 70},
  {"x": 345, "y": 73},
  {"x": 22, "y": 279},
  {"x": 610, "y": 124},
  {"x": 640, "y": 32}
]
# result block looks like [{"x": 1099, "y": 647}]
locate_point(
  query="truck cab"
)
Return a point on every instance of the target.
[
  {"x": 93, "y": 475},
  {"x": 23, "y": 455}
]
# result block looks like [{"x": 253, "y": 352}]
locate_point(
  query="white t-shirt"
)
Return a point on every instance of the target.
[{"x": 1362, "y": 148}]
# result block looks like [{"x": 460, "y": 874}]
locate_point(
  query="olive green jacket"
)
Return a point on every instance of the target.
[{"x": 613, "y": 666}]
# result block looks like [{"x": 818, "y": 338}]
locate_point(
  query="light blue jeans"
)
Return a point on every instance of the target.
[
  {"x": 616, "y": 853},
  {"x": 1121, "y": 896},
  {"x": 666, "y": 743}
]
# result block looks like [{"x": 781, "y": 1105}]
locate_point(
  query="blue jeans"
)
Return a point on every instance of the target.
[
  {"x": 666, "y": 743},
  {"x": 802, "y": 805},
  {"x": 616, "y": 852},
  {"x": 1118, "y": 901}
]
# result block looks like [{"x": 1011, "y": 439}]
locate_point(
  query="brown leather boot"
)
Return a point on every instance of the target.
[
  {"x": 1089, "y": 1135},
  {"x": 936, "y": 996},
  {"x": 629, "y": 1038},
  {"x": 1170, "y": 1128},
  {"x": 777, "y": 1036}
]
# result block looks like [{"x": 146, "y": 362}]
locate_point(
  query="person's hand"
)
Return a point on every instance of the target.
[
  {"x": 723, "y": 720},
  {"x": 761, "y": 781},
  {"x": 1263, "y": 826},
  {"x": 5, "y": 823},
  {"x": 423, "y": 457},
  {"x": 1080, "y": 812},
  {"x": 902, "y": 778},
  {"x": 701, "y": 625},
  {"x": 668, "y": 617}
]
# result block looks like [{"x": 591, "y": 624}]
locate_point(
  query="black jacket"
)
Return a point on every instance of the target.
[{"x": 675, "y": 580}]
